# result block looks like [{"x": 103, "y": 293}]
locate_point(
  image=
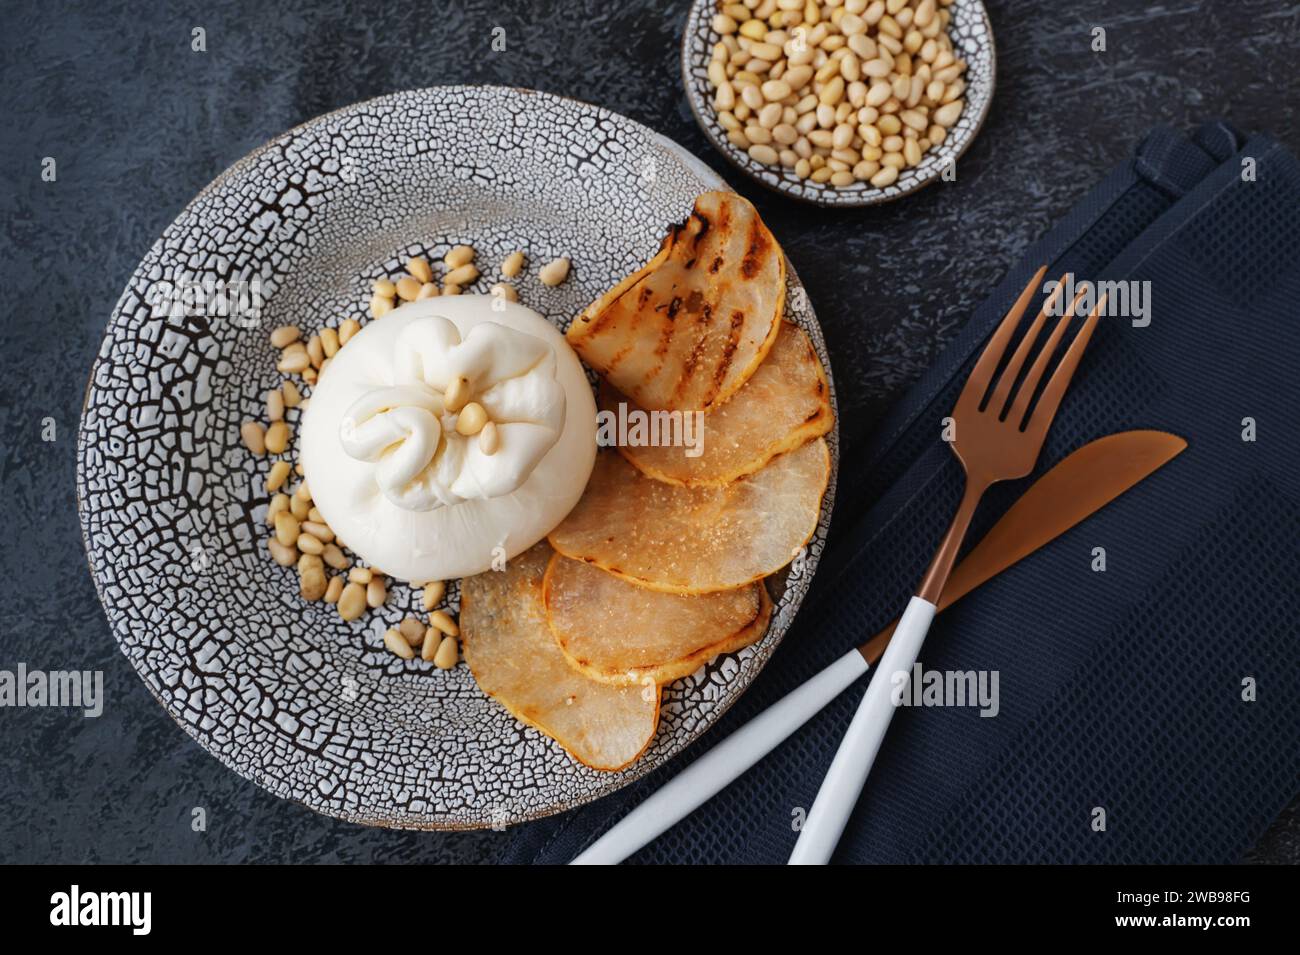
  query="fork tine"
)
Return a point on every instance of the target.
[
  {"x": 1059, "y": 383},
  {"x": 1002, "y": 391},
  {"x": 982, "y": 374},
  {"x": 1036, "y": 371}
]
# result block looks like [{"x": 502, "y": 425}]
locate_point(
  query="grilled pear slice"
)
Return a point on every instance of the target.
[
  {"x": 514, "y": 658},
  {"x": 626, "y": 635},
  {"x": 695, "y": 540},
  {"x": 688, "y": 330},
  {"x": 785, "y": 404}
]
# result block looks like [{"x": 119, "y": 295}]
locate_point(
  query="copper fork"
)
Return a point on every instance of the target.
[{"x": 997, "y": 432}]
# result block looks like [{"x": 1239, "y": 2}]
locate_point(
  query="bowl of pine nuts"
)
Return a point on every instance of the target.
[{"x": 840, "y": 102}]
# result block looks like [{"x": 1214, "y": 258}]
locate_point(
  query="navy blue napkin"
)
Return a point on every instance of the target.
[{"x": 1157, "y": 696}]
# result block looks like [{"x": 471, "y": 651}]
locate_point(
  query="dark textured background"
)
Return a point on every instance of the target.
[{"x": 138, "y": 124}]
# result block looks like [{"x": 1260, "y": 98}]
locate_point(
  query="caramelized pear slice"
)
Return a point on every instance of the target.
[
  {"x": 687, "y": 330},
  {"x": 785, "y": 404},
  {"x": 696, "y": 540},
  {"x": 514, "y": 658},
  {"x": 623, "y": 634}
]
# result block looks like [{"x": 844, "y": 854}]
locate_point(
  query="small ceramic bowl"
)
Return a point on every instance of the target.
[{"x": 972, "y": 38}]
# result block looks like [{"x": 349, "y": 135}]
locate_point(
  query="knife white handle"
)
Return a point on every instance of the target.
[
  {"x": 709, "y": 774},
  {"x": 848, "y": 773}
]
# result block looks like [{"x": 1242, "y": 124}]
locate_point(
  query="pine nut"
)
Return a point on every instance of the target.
[
  {"x": 447, "y": 655},
  {"x": 471, "y": 419},
  {"x": 384, "y": 288},
  {"x": 554, "y": 272},
  {"x": 360, "y": 575},
  {"x": 376, "y": 593},
  {"x": 434, "y": 590},
  {"x": 458, "y": 256},
  {"x": 287, "y": 528},
  {"x": 379, "y": 306},
  {"x": 451, "y": 289},
  {"x": 285, "y": 335},
  {"x": 395, "y": 642},
  {"x": 311, "y": 582},
  {"x": 254, "y": 437},
  {"x": 309, "y": 544},
  {"x": 513, "y": 265},
  {"x": 277, "y": 475},
  {"x": 489, "y": 438},
  {"x": 347, "y": 328},
  {"x": 292, "y": 396},
  {"x": 277, "y": 437},
  {"x": 463, "y": 275},
  {"x": 299, "y": 507},
  {"x": 429, "y": 647},
  {"x": 412, "y": 630},
  {"x": 442, "y": 620},
  {"x": 352, "y": 602},
  {"x": 886, "y": 177},
  {"x": 293, "y": 362},
  {"x": 947, "y": 114},
  {"x": 335, "y": 557},
  {"x": 284, "y": 556},
  {"x": 317, "y": 530},
  {"x": 407, "y": 288},
  {"x": 279, "y": 503},
  {"x": 427, "y": 290},
  {"x": 457, "y": 395},
  {"x": 760, "y": 152},
  {"x": 333, "y": 590},
  {"x": 419, "y": 267},
  {"x": 864, "y": 170},
  {"x": 329, "y": 342}
]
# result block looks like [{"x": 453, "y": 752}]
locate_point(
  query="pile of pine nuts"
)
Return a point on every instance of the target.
[
  {"x": 461, "y": 273},
  {"x": 838, "y": 91}
]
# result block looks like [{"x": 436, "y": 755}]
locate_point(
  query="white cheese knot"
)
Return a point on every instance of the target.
[
  {"x": 387, "y": 468},
  {"x": 421, "y": 461}
]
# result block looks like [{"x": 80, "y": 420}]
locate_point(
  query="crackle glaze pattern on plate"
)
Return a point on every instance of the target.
[
  {"x": 172, "y": 507},
  {"x": 972, "y": 37}
]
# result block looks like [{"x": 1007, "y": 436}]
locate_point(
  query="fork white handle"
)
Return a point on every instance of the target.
[
  {"x": 709, "y": 774},
  {"x": 848, "y": 773}
]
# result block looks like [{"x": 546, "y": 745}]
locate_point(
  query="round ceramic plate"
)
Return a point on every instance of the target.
[
  {"x": 972, "y": 36},
  {"x": 172, "y": 507}
]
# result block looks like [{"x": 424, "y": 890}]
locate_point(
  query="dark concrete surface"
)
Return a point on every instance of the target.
[{"x": 138, "y": 123}]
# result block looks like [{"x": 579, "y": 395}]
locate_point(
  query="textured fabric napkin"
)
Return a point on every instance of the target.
[{"x": 1161, "y": 691}]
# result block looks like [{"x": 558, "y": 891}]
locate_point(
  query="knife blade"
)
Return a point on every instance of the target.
[{"x": 1079, "y": 485}]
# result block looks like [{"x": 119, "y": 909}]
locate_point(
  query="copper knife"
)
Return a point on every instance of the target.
[{"x": 1079, "y": 485}]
